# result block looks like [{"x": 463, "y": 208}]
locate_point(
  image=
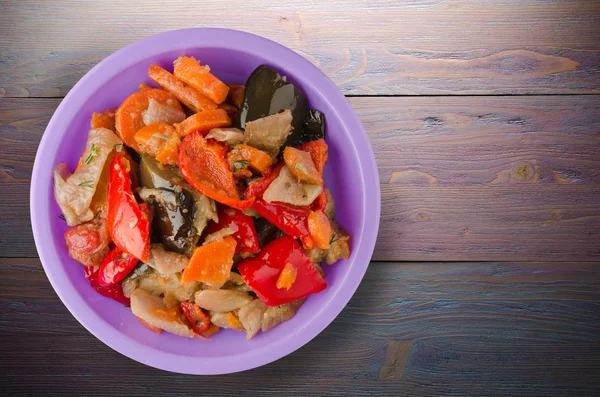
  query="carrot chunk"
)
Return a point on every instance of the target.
[
  {"x": 203, "y": 122},
  {"x": 302, "y": 166},
  {"x": 151, "y": 138},
  {"x": 186, "y": 94},
  {"x": 189, "y": 70},
  {"x": 211, "y": 263},
  {"x": 105, "y": 119},
  {"x": 319, "y": 228}
]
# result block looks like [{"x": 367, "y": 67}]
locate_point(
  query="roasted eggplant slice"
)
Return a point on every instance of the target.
[
  {"x": 268, "y": 92},
  {"x": 174, "y": 207}
]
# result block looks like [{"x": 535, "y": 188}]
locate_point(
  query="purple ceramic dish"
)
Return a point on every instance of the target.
[{"x": 351, "y": 173}]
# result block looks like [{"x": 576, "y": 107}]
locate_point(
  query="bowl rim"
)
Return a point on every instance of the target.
[{"x": 204, "y": 38}]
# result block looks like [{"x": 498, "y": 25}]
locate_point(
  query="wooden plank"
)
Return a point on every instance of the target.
[
  {"x": 367, "y": 47},
  {"x": 437, "y": 329},
  {"x": 463, "y": 178}
]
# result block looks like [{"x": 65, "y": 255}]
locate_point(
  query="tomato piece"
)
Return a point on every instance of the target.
[
  {"x": 245, "y": 235},
  {"x": 128, "y": 222},
  {"x": 202, "y": 163},
  {"x": 198, "y": 319},
  {"x": 115, "y": 267},
  {"x": 263, "y": 272},
  {"x": 114, "y": 291}
]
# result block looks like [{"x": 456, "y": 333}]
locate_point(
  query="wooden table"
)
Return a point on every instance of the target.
[{"x": 485, "y": 122}]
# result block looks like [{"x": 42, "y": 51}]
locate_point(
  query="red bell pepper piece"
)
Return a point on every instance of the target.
[
  {"x": 114, "y": 291},
  {"x": 198, "y": 319},
  {"x": 262, "y": 272},
  {"x": 245, "y": 235},
  {"x": 319, "y": 152},
  {"x": 257, "y": 187},
  {"x": 291, "y": 220},
  {"x": 202, "y": 163},
  {"x": 115, "y": 267},
  {"x": 128, "y": 221}
]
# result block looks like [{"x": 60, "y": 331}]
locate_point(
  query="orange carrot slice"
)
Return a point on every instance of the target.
[
  {"x": 203, "y": 122},
  {"x": 105, "y": 119},
  {"x": 244, "y": 155},
  {"x": 128, "y": 117},
  {"x": 319, "y": 228},
  {"x": 287, "y": 277},
  {"x": 211, "y": 263},
  {"x": 186, "y": 94},
  {"x": 189, "y": 70},
  {"x": 212, "y": 330},
  {"x": 236, "y": 95},
  {"x": 151, "y": 138},
  {"x": 168, "y": 154},
  {"x": 301, "y": 165}
]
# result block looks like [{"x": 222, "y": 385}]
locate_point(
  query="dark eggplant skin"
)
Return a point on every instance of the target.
[
  {"x": 267, "y": 93},
  {"x": 172, "y": 226},
  {"x": 313, "y": 128}
]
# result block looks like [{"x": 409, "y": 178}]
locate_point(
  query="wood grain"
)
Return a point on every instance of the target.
[
  {"x": 415, "y": 47},
  {"x": 515, "y": 329},
  {"x": 463, "y": 178}
]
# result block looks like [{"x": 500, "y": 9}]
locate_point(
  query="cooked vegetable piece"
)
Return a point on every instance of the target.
[
  {"x": 320, "y": 229},
  {"x": 180, "y": 215},
  {"x": 265, "y": 231},
  {"x": 161, "y": 113},
  {"x": 291, "y": 220},
  {"x": 313, "y": 129},
  {"x": 300, "y": 163},
  {"x": 219, "y": 235},
  {"x": 287, "y": 277},
  {"x": 114, "y": 292},
  {"x": 189, "y": 70},
  {"x": 275, "y": 315},
  {"x": 166, "y": 262},
  {"x": 105, "y": 119},
  {"x": 236, "y": 95},
  {"x": 231, "y": 110},
  {"x": 229, "y": 136},
  {"x": 151, "y": 138},
  {"x": 211, "y": 263},
  {"x": 242, "y": 226},
  {"x": 156, "y": 283},
  {"x": 168, "y": 153},
  {"x": 204, "y": 166},
  {"x": 128, "y": 118},
  {"x": 257, "y": 187},
  {"x": 88, "y": 243},
  {"x": 74, "y": 192},
  {"x": 269, "y": 133},
  {"x": 318, "y": 150},
  {"x": 189, "y": 96},
  {"x": 152, "y": 310},
  {"x": 339, "y": 245},
  {"x": 196, "y": 317},
  {"x": 262, "y": 272},
  {"x": 286, "y": 188},
  {"x": 249, "y": 156},
  {"x": 203, "y": 122},
  {"x": 115, "y": 267},
  {"x": 251, "y": 316},
  {"x": 268, "y": 93},
  {"x": 128, "y": 223},
  {"x": 221, "y": 300}
]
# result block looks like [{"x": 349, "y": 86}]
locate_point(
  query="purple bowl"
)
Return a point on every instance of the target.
[{"x": 351, "y": 174}]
